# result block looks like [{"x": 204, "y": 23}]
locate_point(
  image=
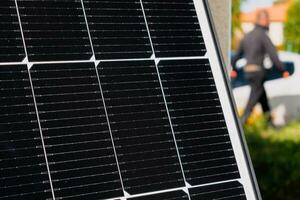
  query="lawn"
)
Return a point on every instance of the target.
[{"x": 276, "y": 158}]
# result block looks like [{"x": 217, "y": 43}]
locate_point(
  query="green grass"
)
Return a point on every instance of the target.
[{"x": 276, "y": 158}]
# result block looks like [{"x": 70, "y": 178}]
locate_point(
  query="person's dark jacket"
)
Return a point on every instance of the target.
[{"x": 255, "y": 46}]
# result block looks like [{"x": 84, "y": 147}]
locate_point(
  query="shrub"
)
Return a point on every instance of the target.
[
  {"x": 291, "y": 28},
  {"x": 276, "y": 159}
]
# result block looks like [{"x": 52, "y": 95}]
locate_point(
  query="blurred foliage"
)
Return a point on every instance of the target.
[
  {"x": 292, "y": 28},
  {"x": 276, "y": 159},
  {"x": 236, "y": 11},
  {"x": 236, "y": 22},
  {"x": 280, "y": 1}
]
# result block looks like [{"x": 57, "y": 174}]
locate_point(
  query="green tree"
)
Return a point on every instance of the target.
[
  {"x": 236, "y": 22},
  {"x": 292, "y": 28},
  {"x": 236, "y": 10},
  {"x": 280, "y": 1}
]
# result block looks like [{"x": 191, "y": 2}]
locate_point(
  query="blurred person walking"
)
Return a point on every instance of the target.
[{"x": 255, "y": 46}]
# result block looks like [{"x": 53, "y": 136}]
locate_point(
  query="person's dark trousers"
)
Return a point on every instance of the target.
[{"x": 257, "y": 94}]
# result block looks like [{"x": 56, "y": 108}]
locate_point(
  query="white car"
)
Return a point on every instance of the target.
[{"x": 283, "y": 94}]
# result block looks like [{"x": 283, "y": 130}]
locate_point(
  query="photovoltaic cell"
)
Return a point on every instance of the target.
[
  {"x": 77, "y": 139},
  {"x": 227, "y": 191},
  {"x": 174, "y": 195},
  {"x": 198, "y": 121},
  {"x": 141, "y": 130},
  {"x": 54, "y": 30},
  {"x": 22, "y": 162},
  {"x": 174, "y": 28},
  {"x": 11, "y": 44},
  {"x": 118, "y": 29}
]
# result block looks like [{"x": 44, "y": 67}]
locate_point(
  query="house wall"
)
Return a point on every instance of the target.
[{"x": 276, "y": 33}]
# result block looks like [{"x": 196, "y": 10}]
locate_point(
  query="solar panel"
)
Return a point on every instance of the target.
[{"x": 116, "y": 100}]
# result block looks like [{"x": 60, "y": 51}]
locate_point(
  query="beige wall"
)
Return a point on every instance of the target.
[{"x": 221, "y": 11}]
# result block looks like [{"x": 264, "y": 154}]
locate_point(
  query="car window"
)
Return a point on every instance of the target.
[{"x": 272, "y": 74}]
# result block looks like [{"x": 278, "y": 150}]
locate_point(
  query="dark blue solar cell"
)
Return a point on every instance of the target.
[
  {"x": 118, "y": 29},
  {"x": 55, "y": 30},
  {"x": 198, "y": 120},
  {"x": 141, "y": 130},
  {"x": 11, "y": 43},
  {"x": 229, "y": 191},
  {"x": 77, "y": 138},
  {"x": 174, "y": 28},
  {"x": 22, "y": 161}
]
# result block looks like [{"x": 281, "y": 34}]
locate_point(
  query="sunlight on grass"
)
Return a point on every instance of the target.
[
  {"x": 290, "y": 132},
  {"x": 276, "y": 158}
]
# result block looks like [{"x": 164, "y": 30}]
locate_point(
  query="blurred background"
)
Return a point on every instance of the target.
[{"x": 275, "y": 152}]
